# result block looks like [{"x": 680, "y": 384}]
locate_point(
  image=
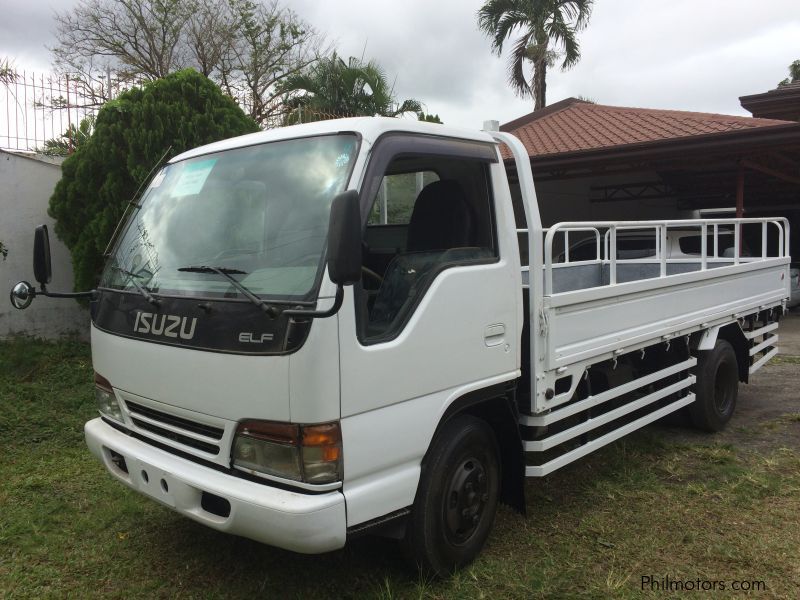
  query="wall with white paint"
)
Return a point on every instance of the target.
[{"x": 26, "y": 184}]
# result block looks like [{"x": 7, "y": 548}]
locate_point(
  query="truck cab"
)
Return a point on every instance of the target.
[{"x": 222, "y": 399}]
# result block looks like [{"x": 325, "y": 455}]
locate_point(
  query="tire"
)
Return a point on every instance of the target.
[
  {"x": 457, "y": 497},
  {"x": 716, "y": 389}
]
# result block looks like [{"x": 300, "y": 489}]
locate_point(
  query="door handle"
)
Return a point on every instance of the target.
[{"x": 494, "y": 335}]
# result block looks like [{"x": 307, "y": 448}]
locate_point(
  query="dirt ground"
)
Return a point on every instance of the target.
[
  {"x": 768, "y": 408},
  {"x": 789, "y": 333}
]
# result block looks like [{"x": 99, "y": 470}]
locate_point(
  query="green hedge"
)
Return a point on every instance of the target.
[{"x": 183, "y": 110}]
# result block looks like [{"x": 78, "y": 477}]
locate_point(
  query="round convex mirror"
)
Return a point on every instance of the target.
[{"x": 22, "y": 295}]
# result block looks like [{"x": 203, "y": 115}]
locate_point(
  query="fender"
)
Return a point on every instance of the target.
[
  {"x": 732, "y": 332},
  {"x": 709, "y": 338},
  {"x": 497, "y": 406}
]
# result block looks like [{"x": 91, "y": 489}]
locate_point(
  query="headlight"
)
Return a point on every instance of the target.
[
  {"x": 106, "y": 400},
  {"x": 307, "y": 453}
]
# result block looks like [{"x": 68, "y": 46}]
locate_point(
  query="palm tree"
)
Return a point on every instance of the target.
[
  {"x": 794, "y": 73},
  {"x": 549, "y": 31},
  {"x": 334, "y": 88}
]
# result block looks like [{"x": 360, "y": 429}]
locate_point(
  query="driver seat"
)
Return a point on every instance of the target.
[{"x": 441, "y": 221}]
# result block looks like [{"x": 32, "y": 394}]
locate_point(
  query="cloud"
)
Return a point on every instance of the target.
[
  {"x": 26, "y": 28},
  {"x": 684, "y": 54}
]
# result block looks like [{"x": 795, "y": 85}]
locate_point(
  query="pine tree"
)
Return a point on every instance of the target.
[{"x": 179, "y": 112}]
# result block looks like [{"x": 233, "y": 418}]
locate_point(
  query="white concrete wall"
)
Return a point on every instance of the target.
[{"x": 26, "y": 183}]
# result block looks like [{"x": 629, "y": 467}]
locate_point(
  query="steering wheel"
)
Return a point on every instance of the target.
[
  {"x": 372, "y": 275},
  {"x": 366, "y": 271}
]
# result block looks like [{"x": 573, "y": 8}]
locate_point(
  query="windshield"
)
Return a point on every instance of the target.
[{"x": 260, "y": 212}]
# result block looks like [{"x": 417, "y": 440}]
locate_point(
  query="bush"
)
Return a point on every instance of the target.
[{"x": 183, "y": 110}]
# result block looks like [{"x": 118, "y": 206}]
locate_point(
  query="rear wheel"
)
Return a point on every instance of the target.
[
  {"x": 457, "y": 497},
  {"x": 716, "y": 389}
]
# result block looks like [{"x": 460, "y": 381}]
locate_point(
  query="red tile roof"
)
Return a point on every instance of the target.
[
  {"x": 781, "y": 103},
  {"x": 574, "y": 125}
]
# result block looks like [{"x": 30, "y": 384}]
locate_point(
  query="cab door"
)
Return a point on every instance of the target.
[{"x": 438, "y": 311}]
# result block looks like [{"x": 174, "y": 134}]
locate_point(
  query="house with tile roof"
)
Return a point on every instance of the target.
[
  {"x": 597, "y": 162},
  {"x": 781, "y": 103}
]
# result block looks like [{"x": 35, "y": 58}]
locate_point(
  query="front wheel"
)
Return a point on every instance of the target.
[
  {"x": 717, "y": 388},
  {"x": 457, "y": 497}
]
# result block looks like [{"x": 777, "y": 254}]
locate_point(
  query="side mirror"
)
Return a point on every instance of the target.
[
  {"x": 22, "y": 295},
  {"x": 41, "y": 256},
  {"x": 344, "y": 239}
]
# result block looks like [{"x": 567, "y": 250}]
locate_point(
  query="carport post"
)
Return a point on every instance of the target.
[
  {"x": 740, "y": 192},
  {"x": 739, "y": 207}
]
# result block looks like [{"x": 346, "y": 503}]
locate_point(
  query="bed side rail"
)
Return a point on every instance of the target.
[{"x": 710, "y": 232}]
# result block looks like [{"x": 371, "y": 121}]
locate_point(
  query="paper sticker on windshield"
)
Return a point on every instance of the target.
[
  {"x": 158, "y": 178},
  {"x": 193, "y": 177}
]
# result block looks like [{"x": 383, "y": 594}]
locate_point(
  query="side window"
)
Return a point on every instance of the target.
[
  {"x": 586, "y": 249},
  {"x": 429, "y": 214},
  {"x": 692, "y": 244},
  {"x": 396, "y": 197},
  {"x": 638, "y": 246}
]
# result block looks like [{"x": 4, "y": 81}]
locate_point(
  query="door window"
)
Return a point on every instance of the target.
[
  {"x": 429, "y": 214},
  {"x": 396, "y": 197}
]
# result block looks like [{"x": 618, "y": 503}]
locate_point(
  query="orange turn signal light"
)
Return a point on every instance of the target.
[{"x": 328, "y": 434}]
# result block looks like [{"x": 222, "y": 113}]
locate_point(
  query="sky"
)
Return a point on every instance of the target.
[{"x": 698, "y": 55}]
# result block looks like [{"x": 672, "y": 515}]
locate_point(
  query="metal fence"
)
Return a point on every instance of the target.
[
  {"x": 39, "y": 111},
  {"x": 35, "y": 108}
]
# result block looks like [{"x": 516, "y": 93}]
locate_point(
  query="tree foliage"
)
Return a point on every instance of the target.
[
  {"x": 332, "y": 88},
  {"x": 549, "y": 31},
  {"x": 70, "y": 139},
  {"x": 248, "y": 47},
  {"x": 794, "y": 74},
  {"x": 429, "y": 118},
  {"x": 8, "y": 74},
  {"x": 131, "y": 133}
]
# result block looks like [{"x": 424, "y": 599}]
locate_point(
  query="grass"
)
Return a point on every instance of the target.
[
  {"x": 786, "y": 359},
  {"x": 645, "y": 506}
]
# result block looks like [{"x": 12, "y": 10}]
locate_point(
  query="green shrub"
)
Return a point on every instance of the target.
[{"x": 183, "y": 110}]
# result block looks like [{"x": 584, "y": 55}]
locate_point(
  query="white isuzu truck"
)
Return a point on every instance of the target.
[{"x": 353, "y": 326}]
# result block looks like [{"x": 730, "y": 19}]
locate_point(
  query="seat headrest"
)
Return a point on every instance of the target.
[{"x": 441, "y": 218}]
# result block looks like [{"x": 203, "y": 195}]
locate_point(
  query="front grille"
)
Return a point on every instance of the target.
[
  {"x": 193, "y": 426},
  {"x": 137, "y": 411}
]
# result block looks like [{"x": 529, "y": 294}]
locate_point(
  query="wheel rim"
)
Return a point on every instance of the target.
[
  {"x": 724, "y": 386},
  {"x": 467, "y": 495}
]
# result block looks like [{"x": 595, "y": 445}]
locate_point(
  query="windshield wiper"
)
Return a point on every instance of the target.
[
  {"x": 132, "y": 278},
  {"x": 271, "y": 311}
]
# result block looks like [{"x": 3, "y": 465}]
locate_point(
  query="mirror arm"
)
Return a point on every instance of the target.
[
  {"x": 319, "y": 314},
  {"x": 91, "y": 294}
]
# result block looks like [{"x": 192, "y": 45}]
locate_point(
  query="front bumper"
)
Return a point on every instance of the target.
[{"x": 307, "y": 523}]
